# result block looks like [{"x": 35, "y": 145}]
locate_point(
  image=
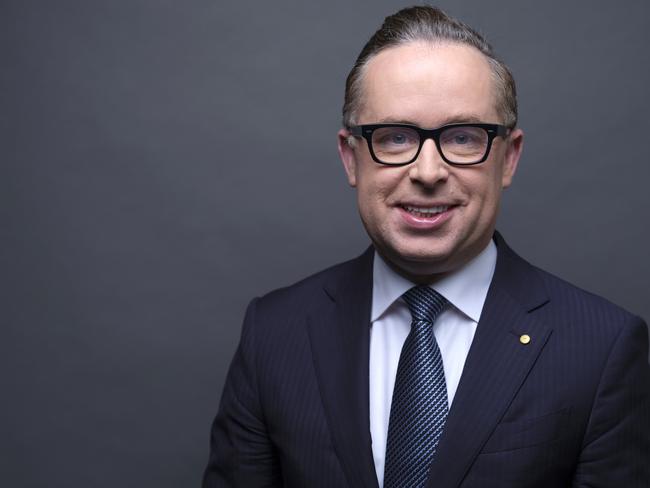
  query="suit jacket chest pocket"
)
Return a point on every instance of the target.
[{"x": 527, "y": 433}]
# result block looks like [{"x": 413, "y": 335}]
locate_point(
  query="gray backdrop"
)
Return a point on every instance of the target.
[{"x": 165, "y": 161}]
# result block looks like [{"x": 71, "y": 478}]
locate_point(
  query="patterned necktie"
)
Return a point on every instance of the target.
[{"x": 419, "y": 407}]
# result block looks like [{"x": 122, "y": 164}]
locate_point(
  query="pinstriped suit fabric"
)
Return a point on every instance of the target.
[{"x": 571, "y": 408}]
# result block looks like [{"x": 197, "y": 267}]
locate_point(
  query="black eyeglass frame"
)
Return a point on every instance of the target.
[{"x": 366, "y": 130}]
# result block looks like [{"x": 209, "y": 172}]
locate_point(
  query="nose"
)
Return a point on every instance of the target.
[{"x": 429, "y": 168}]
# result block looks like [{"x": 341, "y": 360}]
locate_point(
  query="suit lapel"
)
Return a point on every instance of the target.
[
  {"x": 496, "y": 365},
  {"x": 340, "y": 335}
]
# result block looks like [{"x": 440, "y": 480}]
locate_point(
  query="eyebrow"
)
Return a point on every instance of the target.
[{"x": 454, "y": 119}]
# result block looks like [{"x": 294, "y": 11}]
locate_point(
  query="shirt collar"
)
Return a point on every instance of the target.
[{"x": 465, "y": 288}]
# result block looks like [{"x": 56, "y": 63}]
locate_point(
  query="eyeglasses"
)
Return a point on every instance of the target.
[{"x": 400, "y": 144}]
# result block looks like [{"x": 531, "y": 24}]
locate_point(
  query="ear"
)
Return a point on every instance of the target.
[
  {"x": 515, "y": 144},
  {"x": 348, "y": 156}
]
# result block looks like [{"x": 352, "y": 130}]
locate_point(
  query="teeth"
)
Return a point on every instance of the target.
[{"x": 426, "y": 212}]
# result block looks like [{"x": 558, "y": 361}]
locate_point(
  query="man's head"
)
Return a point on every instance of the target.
[
  {"x": 432, "y": 25},
  {"x": 429, "y": 217}
]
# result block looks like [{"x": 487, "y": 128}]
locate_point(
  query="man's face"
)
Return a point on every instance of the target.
[{"x": 429, "y": 85}]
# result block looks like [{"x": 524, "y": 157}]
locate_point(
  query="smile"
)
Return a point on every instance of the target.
[{"x": 426, "y": 211}]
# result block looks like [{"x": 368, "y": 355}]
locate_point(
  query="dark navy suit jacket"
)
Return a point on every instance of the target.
[{"x": 569, "y": 409}]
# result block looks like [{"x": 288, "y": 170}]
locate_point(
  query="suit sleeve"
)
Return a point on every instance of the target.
[
  {"x": 616, "y": 447},
  {"x": 241, "y": 452}
]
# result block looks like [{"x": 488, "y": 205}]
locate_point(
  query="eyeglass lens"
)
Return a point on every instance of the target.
[{"x": 461, "y": 145}]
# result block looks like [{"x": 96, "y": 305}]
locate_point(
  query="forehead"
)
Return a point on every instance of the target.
[{"x": 429, "y": 85}]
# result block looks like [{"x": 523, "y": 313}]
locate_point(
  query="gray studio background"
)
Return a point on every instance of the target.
[{"x": 162, "y": 162}]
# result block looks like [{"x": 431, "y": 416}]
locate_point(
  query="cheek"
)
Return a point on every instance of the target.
[
  {"x": 375, "y": 185},
  {"x": 484, "y": 190},
  {"x": 492, "y": 196},
  {"x": 373, "y": 197},
  {"x": 369, "y": 198}
]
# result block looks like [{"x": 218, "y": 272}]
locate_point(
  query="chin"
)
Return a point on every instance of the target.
[{"x": 417, "y": 260}]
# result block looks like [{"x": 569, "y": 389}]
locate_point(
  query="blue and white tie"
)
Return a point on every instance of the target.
[{"x": 419, "y": 406}]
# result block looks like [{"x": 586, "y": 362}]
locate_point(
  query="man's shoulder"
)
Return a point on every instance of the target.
[
  {"x": 569, "y": 296},
  {"x": 321, "y": 286},
  {"x": 563, "y": 300}
]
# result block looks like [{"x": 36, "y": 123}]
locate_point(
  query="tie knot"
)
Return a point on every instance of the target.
[{"x": 425, "y": 303}]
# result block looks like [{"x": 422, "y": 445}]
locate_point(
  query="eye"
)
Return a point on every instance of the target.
[
  {"x": 395, "y": 137},
  {"x": 461, "y": 139}
]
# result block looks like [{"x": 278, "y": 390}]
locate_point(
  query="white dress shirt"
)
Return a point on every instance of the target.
[{"x": 454, "y": 329}]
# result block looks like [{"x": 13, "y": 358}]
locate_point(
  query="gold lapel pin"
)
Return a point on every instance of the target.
[{"x": 524, "y": 339}]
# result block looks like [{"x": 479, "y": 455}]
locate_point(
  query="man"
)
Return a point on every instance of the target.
[{"x": 439, "y": 357}]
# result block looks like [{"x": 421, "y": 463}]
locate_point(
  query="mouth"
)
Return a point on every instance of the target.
[
  {"x": 426, "y": 218},
  {"x": 425, "y": 212}
]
